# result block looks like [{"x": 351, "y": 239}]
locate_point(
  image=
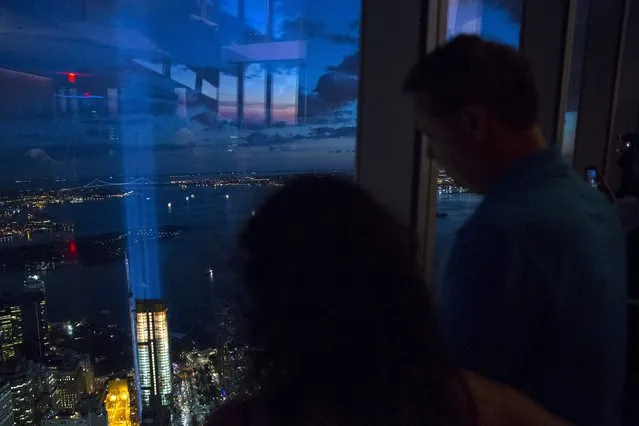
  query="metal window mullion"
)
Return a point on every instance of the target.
[
  {"x": 626, "y": 113},
  {"x": 547, "y": 31},
  {"x": 425, "y": 195},
  {"x": 607, "y": 22},
  {"x": 386, "y": 149}
]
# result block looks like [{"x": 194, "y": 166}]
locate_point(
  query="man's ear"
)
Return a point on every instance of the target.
[{"x": 476, "y": 118}]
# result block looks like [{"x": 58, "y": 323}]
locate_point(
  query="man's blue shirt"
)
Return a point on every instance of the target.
[{"x": 534, "y": 291}]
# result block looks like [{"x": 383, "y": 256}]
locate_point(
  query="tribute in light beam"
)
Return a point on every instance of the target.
[{"x": 141, "y": 216}]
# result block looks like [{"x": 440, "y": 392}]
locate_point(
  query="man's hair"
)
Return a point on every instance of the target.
[{"x": 471, "y": 71}]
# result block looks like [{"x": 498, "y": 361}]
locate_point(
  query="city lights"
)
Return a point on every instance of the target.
[
  {"x": 154, "y": 358},
  {"x": 118, "y": 404},
  {"x": 96, "y": 154}
]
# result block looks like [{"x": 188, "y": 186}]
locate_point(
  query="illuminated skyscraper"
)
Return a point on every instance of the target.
[
  {"x": 10, "y": 328},
  {"x": 230, "y": 355},
  {"x": 118, "y": 403},
  {"x": 73, "y": 378},
  {"x": 6, "y": 404},
  {"x": 34, "y": 315},
  {"x": 197, "y": 390},
  {"x": 21, "y": 377},
  {"x": 154, "y": 358}
]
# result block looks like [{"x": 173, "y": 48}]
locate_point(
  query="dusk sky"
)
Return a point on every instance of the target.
[{"x": 315, "y": 83}]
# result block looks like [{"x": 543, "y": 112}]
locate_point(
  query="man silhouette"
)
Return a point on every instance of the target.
[{"x": 534, "y": 292}]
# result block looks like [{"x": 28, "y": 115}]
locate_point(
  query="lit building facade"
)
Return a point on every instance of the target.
[
  {"x": 118, "y": 403},
  {"x": 153, "y": 352},
  {"x": 89, "y": 412},
  {"x": 6, "y": 404},
  {"x": 34, "y": 317},
  {"x": 197, "y": 386},
  {"x": 230, "y": 356},
  {"x": 92, "y": 419},
  {"x": 24, "y": 392},
  {"x": 184, "y": 402},
  {"x": 10, "y": 329},
  {"x": 65, "y": 395},
  {"x": 73, "y": 378}
]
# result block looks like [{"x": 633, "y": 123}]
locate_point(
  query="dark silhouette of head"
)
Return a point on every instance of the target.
[
  {"x": 477, "y": 102},
  {"x": 339, "y": 315}
]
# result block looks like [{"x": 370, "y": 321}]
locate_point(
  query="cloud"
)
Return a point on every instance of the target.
[
  {"x": 40, "y": 155},
  {"x": 258, "y": 138},
  {"x": 514, "y": 8},
  {"x": 341, "y": 38},
  {"x": 348, "y": 65},
  {"x": 333, "y": 90},
  {"x": 298, "y": 28},
  {"x": 336, "y": 88}
]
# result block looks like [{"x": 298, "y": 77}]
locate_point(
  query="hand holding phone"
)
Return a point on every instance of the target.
[{"x": 592, "y": 177}]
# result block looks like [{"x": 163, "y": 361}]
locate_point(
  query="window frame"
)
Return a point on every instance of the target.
[
  {"x": 606, "y": 34},
  {"x": 392, "y": 159}
]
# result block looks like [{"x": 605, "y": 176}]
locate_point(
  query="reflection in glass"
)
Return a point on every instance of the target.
[
  {"x": 285, "y": 95},
  {"x": 574, "y": 82},
  {"x": 228, "y": 97},
  {"x": 493, "y": 21},
  {"x": 255, "y": 89},
  {"x": 137, "y": 138}
]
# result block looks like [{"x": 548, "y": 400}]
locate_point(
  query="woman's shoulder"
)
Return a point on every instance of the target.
[{"x": 499, "y": 404}]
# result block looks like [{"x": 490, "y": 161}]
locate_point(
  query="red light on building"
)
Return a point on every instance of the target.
[
  {"x": 86, "y": 94},
  {"x": 71, "y": 77},
  {"x": 72, "y": 247}
]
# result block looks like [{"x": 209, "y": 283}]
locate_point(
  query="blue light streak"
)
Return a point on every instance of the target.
[{"x": 140, "y": 215}]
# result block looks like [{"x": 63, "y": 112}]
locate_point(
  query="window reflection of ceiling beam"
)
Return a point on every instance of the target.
[{"x": 262, "y": 52}]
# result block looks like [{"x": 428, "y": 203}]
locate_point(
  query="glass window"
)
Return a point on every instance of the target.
[
  {"x": 137, "y": 138},
  {"x": 498, "y": 20},
  {"x": 255, "y": 90},
  {"x": 574, "y": 82}
]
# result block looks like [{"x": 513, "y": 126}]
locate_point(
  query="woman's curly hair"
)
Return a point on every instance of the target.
[{"x": 339, "y": 315}]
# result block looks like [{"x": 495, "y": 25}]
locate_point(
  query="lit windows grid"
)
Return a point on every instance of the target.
[
  {"x": 10, "y": 331},
  {"x": 154, "y": 361}
]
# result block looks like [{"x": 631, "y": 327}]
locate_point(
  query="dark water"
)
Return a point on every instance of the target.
[
  {"x": 213, "y": 221},
  {"x": 459, "y": 208}
]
